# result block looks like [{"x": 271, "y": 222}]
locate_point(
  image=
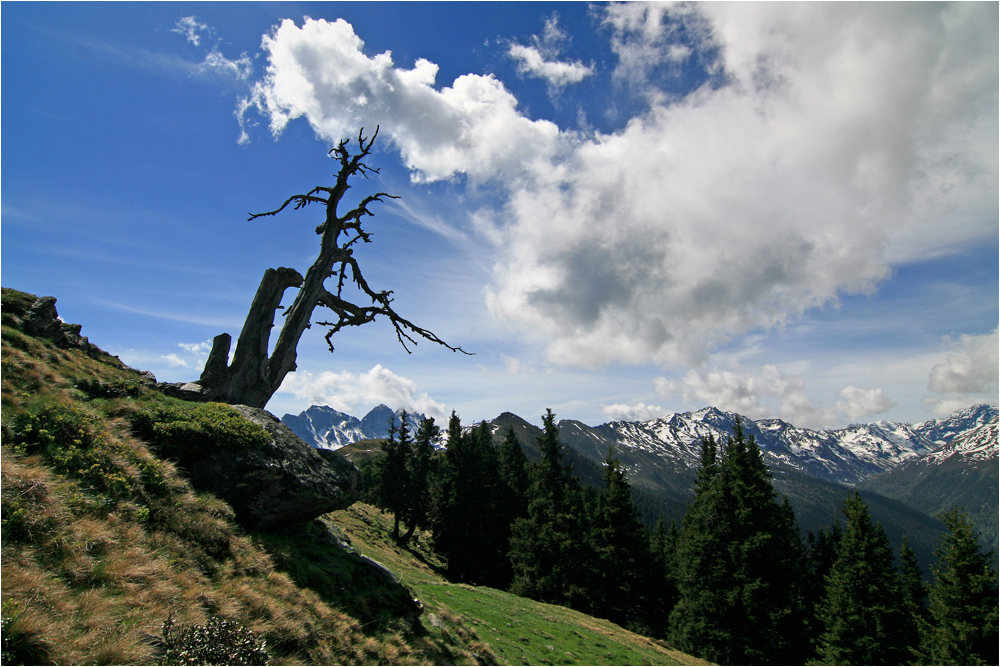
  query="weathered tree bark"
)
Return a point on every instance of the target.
[{"x": 253, "y": 376}]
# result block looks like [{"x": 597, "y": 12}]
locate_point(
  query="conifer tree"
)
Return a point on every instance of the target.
[
  {"x": 465, "y": 526},
  {"x": 418, "y": 497},
  {"x": 963, "y": 598},
  {"x": 548, "y": 548},
  {"x": 863, "y": 609},
  {"x": 914, "y": 592},
  {"x": 394, "y": 471},
  {"x": 625, "y": 564},
  {"x": 821, "y": 553},
  {"x": 738, "y": 562},
  {"x": 663, "y": 587},
  {"x": 514, "y": 471}
]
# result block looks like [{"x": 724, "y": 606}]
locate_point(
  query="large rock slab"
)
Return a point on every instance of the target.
[{"x": 284, "y": 483}]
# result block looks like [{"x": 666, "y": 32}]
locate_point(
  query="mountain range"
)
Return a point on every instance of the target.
[
  {"x": 326, "y": 428},
  {"x": 845, "y": 456},
  {"x": 905, "y": 472}
]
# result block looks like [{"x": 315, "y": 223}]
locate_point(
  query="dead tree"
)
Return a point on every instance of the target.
[{"x": 253, "y": 376}]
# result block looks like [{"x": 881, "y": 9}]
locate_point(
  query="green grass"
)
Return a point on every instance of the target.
[{"x": 518, "y": 631}]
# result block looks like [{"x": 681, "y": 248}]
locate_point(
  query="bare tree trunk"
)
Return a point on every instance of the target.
[{"x": 253, "y": 376}]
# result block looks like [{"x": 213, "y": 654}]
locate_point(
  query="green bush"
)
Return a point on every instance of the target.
[
  {"x": 71, "y": 441},
  {"x": 219, "y": 642},
  {"x": 187, "y": 431},
  {"x": 116, "y": 389}
]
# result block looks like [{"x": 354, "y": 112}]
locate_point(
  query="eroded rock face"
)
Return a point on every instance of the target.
[
  {"x": 282, "y": 484},
  {"x": 42, "y": 320}
]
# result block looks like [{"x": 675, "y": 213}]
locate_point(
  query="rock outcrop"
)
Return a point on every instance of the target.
[
  {"x": 43, "y": 321},
  {"x": 282, "y": 484}
]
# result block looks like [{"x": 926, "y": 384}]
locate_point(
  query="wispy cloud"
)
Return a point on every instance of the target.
[
  {"x": 191, "y": 29},
  {"x": 188, "y": 317}
]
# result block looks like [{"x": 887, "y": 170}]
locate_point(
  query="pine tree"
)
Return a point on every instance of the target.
[
  {"x": 625, "y": 563},
  {"x": 418, "y": 496},
  {"x": 821, "y": 553},
  {"x": 963, "y": 598},
  {"x": 663, "y": 587},
  {"x": 914, "y": 592},
  {"x": 738, "y": 563},
  {"x": 863, "y": 609},
  {"x": 466, "y": 530},
  {"x": 394, "y": 471},
  {"x": 549, "y": 551}
]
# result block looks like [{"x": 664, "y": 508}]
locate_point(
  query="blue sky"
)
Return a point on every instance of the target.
[{"x": 786, "y": 210}]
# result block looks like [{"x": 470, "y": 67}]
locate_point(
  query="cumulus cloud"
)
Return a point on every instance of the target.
[
  {"x": 768, "y": 392},
  {"x": 632, "y": 413},
  {"x": 828, "y": 142},
  {"x": 743, "y": 205},
  {"x": 319, "y": 71},
  {"x": 857, "y": 403},
  {"x": 347, "y": 392},
  {"x": 541, "y": 58},
  {"x": 646, "y": 37},
  {"x": 968, "y": 374}
]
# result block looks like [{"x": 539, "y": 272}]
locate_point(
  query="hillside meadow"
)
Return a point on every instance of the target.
[{"x": 110, "y": 556}]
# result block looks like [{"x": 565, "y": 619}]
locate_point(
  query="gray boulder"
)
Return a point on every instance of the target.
[{"x": 280, "y": 485}]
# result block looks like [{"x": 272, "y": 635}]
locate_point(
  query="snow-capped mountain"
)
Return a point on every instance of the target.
[
  {"x": 942, "y": 431},
  {"x": 325, "y": 428},
  {"x": 845, "y": 456},
  {"x": 977, "y": 445},
  {"x": 672, "y": 444},
  {"x": 962, "y": 473}
]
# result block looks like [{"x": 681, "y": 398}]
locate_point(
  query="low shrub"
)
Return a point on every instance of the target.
[
  {"x": 115, "y": 389},
  {"x": 189, "y": 431},
  {"x": 218, "y": 642}
]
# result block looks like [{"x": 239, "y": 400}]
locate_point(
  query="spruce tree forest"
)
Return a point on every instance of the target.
[{"x": 735, "y": 583}]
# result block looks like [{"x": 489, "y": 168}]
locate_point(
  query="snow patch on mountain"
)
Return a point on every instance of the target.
[
  {"x": 845, "y": 456},
  {"x": 325, "y": 428}
]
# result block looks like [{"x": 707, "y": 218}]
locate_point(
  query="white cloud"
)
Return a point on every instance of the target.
[
  {"x": 541, "y": 60},
  {"x": 175, "y": 361},
  {"x": 319, "y": 71},
  {"x": 348, "y": 392},
  {"x": 557, "y": 73},
  {"x": 968, "y": 374},
  {"x": 857, "y": 403},
  {"x": 241, "y": 68},
  {"x": 512, "y": 364},
  {"x": 195, "y": 357},
  {"x": 643, "y": 40},
  {"x": 743, "y": 205},
  {"x": 768, "y": 392},
  {"x": 191, "y": 29},
  {"x": 196, "y": 348},
  {"x": 834, "y": 140},
  {"x": 632, "y": 413}
]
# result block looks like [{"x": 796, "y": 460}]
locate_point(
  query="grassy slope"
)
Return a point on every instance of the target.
[
  {"x": 517, "y": 630},
  {"x": 101, "y": 547}
]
